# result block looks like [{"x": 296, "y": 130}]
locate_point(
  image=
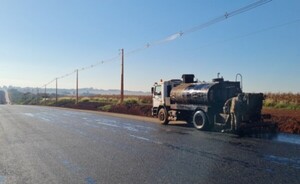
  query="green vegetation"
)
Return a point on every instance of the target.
[
  {"x": 131, "y": 101},
  {"x": 282, "y": 101},
  {"x": 2, "y": 97},
  {"x": 85, "y": 99},
  {"x": 61, "y": 102},
  {"x": 139, "y": 105},
  {"x": 106, "y": 108},
  {"x": 17, "y": 97}
]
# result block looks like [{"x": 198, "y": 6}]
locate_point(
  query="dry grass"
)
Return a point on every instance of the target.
[{"x": 282, "y": 101}]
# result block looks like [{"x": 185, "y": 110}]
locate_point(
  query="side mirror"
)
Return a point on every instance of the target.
[{"x": 152, "y": 90}]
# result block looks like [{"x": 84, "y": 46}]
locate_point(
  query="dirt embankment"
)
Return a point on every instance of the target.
[
  {"x": 133, "y": 109},
  {"x": 287, "y": 120}
]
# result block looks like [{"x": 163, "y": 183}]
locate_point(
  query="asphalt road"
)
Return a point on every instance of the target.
[
  {"x": 6, "y": 97},
  {"x": 51, "y": 145}
]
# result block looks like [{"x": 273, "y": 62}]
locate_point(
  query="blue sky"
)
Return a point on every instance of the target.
[{"x": 42, "y": 40}]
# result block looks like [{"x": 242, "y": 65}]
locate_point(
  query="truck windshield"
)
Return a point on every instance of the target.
[{"x": 157, "y": 90}]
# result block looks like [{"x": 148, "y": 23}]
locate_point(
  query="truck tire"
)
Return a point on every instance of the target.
[
  {"x": 163, "y": 116},
  {"x": 200, "y": 121}
]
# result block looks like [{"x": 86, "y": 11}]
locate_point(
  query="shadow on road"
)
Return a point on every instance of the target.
[{"x": 175, "y": 124}]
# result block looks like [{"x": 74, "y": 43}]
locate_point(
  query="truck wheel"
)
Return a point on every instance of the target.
[
  {"x": 163, "y": 116},
  {"x": 199, "y": 120}
]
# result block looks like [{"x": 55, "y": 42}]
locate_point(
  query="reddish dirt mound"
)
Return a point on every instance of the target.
[
  {"x": 134, "y": 109},
  {"x": 141, "y": 110},
  {"x": 287, "y": 120},
  {"x": 84, "y": 105}
]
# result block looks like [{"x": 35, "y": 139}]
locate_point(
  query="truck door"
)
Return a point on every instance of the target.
[{"x": 157, "y": 96}]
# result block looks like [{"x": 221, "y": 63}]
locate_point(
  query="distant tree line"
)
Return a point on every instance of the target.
[
  {"x": 2, "y": 97},
  {"x": 17, "y": 97}
]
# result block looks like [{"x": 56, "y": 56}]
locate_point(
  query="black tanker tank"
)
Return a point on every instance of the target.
[{"x": 204, "y": 93}]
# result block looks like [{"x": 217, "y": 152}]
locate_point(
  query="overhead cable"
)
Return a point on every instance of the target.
[
  {"x": 223, "y": 17},
  {"x": 176, "y": 35}
]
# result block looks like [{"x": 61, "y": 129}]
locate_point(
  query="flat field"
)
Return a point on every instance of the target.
[{"x": 282, "y": 101}]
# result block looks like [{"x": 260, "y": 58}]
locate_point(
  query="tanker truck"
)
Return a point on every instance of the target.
[{"x": 206, "y": 105}]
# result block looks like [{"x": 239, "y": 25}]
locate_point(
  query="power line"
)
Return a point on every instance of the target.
[
  {"x": 174, "y": 36},
  {"x": 227, "y": 15},
  {"x": 254, "y": 32},
  {"x": 218, "y": 19}
]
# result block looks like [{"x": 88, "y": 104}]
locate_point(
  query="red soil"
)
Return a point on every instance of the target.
[{"x": 287, "y": 120}]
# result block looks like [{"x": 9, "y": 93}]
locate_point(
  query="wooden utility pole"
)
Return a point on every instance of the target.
[
  {"x": 122, "y": 75},
  {"x": 77, "y": 86},
  {"x": 45, "y": 96},
  {"x": 37, "y": 96},
  {"x": 56, "y": 92}
]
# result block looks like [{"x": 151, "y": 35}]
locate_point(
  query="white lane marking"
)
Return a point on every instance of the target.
[
  {"x": 140, "y": 137},
  {"x": 123, "y": 126},
  {"x": 45, "y": 119},
  {"x": 29, "y": 114},
  {"x": 145, "y": 139},
  {"x": 107, "y": 124}
]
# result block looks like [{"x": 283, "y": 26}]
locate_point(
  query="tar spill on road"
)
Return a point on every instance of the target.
[
  {"x": 277, "y": 137},
  {"x": 2, "y": 179},
  {"x": 280, "y": 137},
  {"x": 288, "y": 138},
  {"x": 90, "y": 180},
  {"x": 292, "y": 162}
]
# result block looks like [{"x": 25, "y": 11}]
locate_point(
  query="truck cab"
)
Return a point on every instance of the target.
[{"x": 161, "y": 94}]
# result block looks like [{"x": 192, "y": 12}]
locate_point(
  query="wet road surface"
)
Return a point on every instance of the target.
[{"x": 51, "y": 145}]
